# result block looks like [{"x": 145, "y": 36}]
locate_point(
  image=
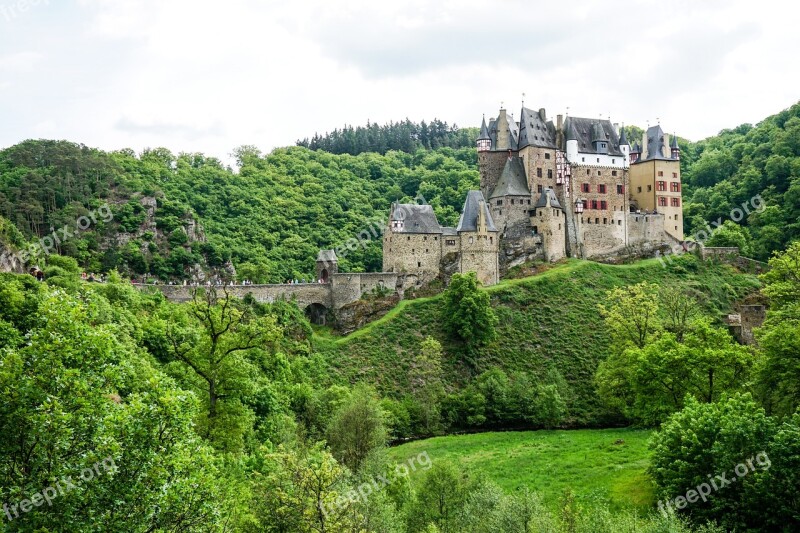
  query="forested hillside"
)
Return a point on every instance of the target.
[
  {"x": 176, "y": 215},
  {"x": 723, "y": 172},
  {"x": 405, "y": 136}
]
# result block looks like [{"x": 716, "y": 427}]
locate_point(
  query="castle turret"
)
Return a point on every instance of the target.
[
  {"x": 484, "y": 141},
  {"x": 479, "y": 240},
  {"x": 549, "y": 221},
  {"x": 327, "y": 265},
  {"x": 636, "y": 153},
  {"x": 624, "y": 147},
  {"x": 674, "y": 149},
  {"x": 572, "y": 142}
]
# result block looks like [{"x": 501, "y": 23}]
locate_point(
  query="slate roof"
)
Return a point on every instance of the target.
[
  {"x": 327, "y": 256},
  {"x": 674, "y": 143},
  {"x": 512, "y": 181},
  {"x": 623, "y": 140},
  {"x": 484, "y": 130},
  {"x": 655, "y": 145},
  {"x": 585, "y": 130},
  {"x": 449, "y": 231},
  {"x": 513, "y": 129},
  {"x": 469, "y": 215},
  {"x": 542, "y": 201},
  {"x": 534, "y": 130},
  {"x": 416, "y": 218}
]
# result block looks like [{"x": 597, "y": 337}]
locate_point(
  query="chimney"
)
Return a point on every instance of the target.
[
  {"x": 645, "y": 148},
  {"x": 542, "y": 115}
]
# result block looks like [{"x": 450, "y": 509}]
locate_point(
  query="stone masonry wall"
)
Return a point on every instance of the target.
[
  {"x": 540, "y": 168},
  {"x": 414, "y": 253}
]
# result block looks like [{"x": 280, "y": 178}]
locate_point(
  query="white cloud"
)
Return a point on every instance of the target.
[{"x": 209, "y": 76}]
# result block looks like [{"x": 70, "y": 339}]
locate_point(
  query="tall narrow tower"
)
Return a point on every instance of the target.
[
  {"x": 675, "y": 151},
  {"x": 484, "y": 141}
]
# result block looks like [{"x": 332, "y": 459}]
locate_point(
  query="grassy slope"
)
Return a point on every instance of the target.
[
  {"x": 548, "y": 321},
  {"x": 549, "y": 462}
]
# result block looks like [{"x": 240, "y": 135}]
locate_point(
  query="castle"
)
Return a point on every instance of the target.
[{"x": 574, "y": 188}]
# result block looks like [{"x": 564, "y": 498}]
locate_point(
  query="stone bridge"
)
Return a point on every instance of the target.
[{"x": 318, "y": 300}]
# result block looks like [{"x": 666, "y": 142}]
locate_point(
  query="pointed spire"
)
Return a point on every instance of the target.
[
  {"x": 623, "y": 140},
  {"x": 674, "y": 143},
  {"x": 571, "y": 134},
  {"x": 484, "y": 130}
]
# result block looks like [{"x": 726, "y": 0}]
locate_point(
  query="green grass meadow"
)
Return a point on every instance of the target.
[{"x": 601, "y": 466}]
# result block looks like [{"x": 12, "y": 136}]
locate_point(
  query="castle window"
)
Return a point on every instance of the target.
[
  {"x": 425, "y": 238},
  {"x": 603, "y": 204},
  {"x": 586, "y": 187},
  {"x": 412, "y": 250},
  {"x": 450, "y": 242},
  {"x": 620, "y": 189},
  {"x": 594, "y": 204},
  {"x": 426, "y": 250},
  {"x": 674, "y": 174},
  {"x": 471, "y": 240},
  {"x": 676, "y": 228},
  {"x": 547, "y": 155},
  {"x": 539, "y": 188},
  {"x": 408, "y": 238},
  {"x": 605, "y": 221},
  {"x": 599, "y": 173},
  {"x": 419, "y": 264},
  {"x": 550, "y": 173},
  {"x": 649, "y": 188},
  {"x": 500, "y": 213},
  {"x": 588, "y": 171},
  {"x": 529, "y": 202},
  {"x": 491, "y": 240},
  {"x": 674, "y": 186},
  {"x": 436, "y": 238},
  {"x": 661, "y": 185},
  {"x": 538, "y": 172},
  {"x": 583, "y": 159},
  {"x": 559, "y": 226},
  {"x": 613, "y": 161},
  {"x": 601, "y": 188},
  {"x": 662, "y": 201},
  {"x": 499, "y": 202},
  {"x": 660, "y": 172},
  {"x": 619, "y": 222},
  {"x": 512, "y": 201},
  {"x": 675, "y": 202},
  {"x": 638, "y": 189},
  {"x": 596, "y": 220},
  {"x": 613, "y": 172},
  {"x": 598, "y": 159}
]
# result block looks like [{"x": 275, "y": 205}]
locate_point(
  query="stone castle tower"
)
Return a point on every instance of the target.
[{"x": 600, "y": 183}]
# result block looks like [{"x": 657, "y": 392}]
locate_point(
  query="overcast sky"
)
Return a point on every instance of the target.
[{"x": 203, "y": 76}]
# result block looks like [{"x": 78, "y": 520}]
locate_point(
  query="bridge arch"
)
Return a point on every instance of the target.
[{"x": 317, "y": 313}]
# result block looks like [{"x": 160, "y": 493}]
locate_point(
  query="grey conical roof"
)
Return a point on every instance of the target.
[
  {"x": 512, "y": 181},
  {"x": 597, "y": 133},
  {"x": 484, "y": 131},
  {"x": 636, "y": 148},
  {"x": 548, "y": 193},
  {"x": 623, "y": 140},
  {"x": 327, "y": 256},
  {"x": 674, "y": 143},
  {"x": 572, "y": 135},
  {"x": 469, "y": 216}
]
